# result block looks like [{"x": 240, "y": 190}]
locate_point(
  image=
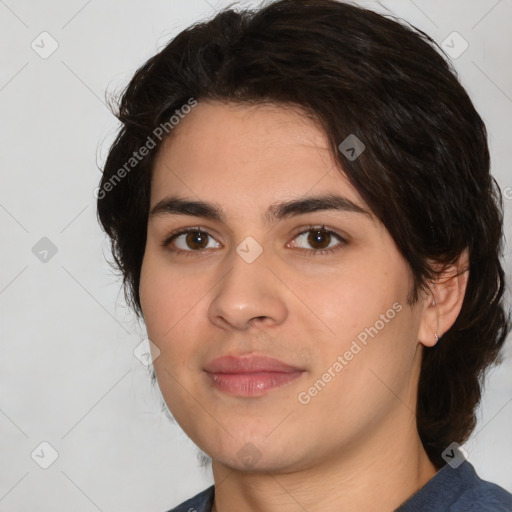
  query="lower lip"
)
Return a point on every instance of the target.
[{"x": 251, "y": 384}]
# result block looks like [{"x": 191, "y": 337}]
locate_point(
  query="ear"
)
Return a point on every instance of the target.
[{"x": 443, "y": 302}]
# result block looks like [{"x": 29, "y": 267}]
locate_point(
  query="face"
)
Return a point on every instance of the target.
[{"x": 277, "y": 300}]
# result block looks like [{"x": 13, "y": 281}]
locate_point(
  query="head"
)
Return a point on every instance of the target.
[{"x": 255, "y": 124}]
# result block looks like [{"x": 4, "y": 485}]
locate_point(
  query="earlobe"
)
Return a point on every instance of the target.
[{"x": 444, "y": 303}]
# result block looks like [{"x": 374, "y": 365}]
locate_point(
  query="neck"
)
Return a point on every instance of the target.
[{"x": 379, "y": 474}]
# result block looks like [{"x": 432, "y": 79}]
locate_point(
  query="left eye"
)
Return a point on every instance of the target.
[{"x": 318, "y": 239}]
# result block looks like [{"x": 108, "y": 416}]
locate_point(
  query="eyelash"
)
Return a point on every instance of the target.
[{"x": 308, "y": 252}]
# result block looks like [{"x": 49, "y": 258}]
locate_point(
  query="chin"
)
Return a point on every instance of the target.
[{"x": 254, "y": 453}]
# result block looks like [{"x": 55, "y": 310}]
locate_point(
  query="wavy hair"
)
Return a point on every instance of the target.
[{"x": 425, "y": 172}]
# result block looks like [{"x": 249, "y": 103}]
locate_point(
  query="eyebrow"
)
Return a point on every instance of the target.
[{"x": 175, "y": 205}]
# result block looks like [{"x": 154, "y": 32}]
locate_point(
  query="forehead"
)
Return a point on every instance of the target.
[{"x": 241, "y": 155}]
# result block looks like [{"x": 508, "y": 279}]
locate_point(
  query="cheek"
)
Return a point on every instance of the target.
[
  {"x": 166, "y": 297},
  {"x": 355, "y": 383},
  {"x": 371, "y": 327},
  {"x": 173, "y": 306},
  {"x": 353, "y": 302},
  {"x": 154, "y": 297},
  {"x": 164, "y": 310}
]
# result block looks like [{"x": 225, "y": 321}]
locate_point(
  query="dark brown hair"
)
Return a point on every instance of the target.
[{"x": 424, "y": 172}]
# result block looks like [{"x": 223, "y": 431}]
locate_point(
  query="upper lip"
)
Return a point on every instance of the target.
[{"x": 248, "y": 364}]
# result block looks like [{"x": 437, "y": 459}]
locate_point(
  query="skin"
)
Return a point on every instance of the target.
[{"x": 355, "y": 442}]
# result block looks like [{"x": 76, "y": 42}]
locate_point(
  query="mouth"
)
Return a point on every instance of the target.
[{"x": 250, "y": 376}]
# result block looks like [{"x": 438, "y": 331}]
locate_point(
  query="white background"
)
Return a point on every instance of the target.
[{"x": 67, "y": 372}]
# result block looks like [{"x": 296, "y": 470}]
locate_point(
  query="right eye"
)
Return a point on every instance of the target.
[{"x": 190, "y": 240}]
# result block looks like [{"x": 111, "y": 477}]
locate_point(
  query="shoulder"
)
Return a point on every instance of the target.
[
  {"x": 478, "y": 494},
  {"x": 201, "y": 502},
  {"x": 458, "y": 489},
  {"x": 484, "y": 495}
]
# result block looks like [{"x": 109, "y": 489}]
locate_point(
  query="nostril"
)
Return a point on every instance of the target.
[{"x": 259, "y": 319}]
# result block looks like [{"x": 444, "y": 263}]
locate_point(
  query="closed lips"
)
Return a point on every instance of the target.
[{"x": 248, "y": 364}]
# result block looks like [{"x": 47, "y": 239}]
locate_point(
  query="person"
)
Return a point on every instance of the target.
[{"x": 300, "y": 203}]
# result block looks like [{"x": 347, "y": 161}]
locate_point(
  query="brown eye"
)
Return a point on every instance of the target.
[
  {"x": 196, "y": 240},
  {"x": 319, "y": 239},
  {"x": 191, "y": 240}
]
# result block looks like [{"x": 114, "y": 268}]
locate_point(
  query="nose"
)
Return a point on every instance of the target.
[{"x": 249, "y": 295}]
